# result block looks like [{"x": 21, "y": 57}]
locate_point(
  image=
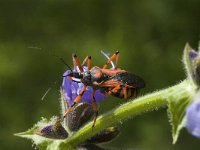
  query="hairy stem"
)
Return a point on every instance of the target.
[{"x": 132, "y": 108}]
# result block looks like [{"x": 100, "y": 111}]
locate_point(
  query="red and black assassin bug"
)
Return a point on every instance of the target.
[{"x": 115, "y": 82}]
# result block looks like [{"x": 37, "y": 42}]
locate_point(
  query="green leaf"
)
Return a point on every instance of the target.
[
  {"x": 38, "y": 140},
  {"x": 176, "y": 113}
]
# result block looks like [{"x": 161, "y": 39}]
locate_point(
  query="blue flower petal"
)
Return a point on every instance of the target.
[
  {"x": 72, "y": 89},
  {"x": 193, "y": 118},
  {"x": 193, "y": 54}
]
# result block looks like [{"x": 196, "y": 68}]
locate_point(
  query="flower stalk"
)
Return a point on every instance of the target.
[{"x": 153, "y": 101}]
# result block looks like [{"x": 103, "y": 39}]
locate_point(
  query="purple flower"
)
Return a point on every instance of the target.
[
  {"x": 46, "y": 129},
  {"x": 54, "y": 130},
  {"x": 72, "y": 89},
  {"x": 193, "y": 118},
  {"x": 193, "y": 54}
]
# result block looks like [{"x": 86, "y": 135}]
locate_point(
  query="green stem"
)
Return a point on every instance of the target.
[{"x": 144, "y": 104}]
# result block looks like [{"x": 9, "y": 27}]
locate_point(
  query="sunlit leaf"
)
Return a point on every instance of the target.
[{"x": 176, "y": 113}]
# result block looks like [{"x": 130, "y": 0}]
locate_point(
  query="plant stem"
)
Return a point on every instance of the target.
[{"x": 143, "y": 104}]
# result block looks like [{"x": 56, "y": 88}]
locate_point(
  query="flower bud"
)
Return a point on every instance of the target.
[
  {"x": 80, "y": 114},
  {"x": 105, "y": 135},
  {"x": 192, "y": 64},
  {"x": 54, "y": 130}
]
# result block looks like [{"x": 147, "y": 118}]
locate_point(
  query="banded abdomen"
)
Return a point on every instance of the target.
[{"x": 122, "y": 93}]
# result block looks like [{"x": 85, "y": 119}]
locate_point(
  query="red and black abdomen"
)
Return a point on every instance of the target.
[
  {"x": 130, "y": 80},
  {"x": 130, "y": 92},
  {"x": 132, "y": 83}
]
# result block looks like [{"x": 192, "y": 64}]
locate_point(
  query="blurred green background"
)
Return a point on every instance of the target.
[{"x": 150, "y": 34}]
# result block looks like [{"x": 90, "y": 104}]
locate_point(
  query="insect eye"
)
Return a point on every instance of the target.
[{"x": 87, "y": 73}]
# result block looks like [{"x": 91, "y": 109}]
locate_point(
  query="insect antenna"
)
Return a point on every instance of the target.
[
  {"x": 62, "y": 60},
  {"x": 57, "y": 56},
  {"x": 52, "y": 54}
]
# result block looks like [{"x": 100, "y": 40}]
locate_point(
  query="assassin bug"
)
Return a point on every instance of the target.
[{"x": 116, "y": 82}]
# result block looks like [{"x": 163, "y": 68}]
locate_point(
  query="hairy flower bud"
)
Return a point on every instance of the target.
[
  {"x": 55, "y": 130},
  {"x": 81, "y": 113},
  {"x": 106, "y": 135},
  {"x": 192, "y": 64}
]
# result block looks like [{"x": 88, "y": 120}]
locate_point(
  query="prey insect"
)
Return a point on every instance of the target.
[{"x": 115, "y": 81}]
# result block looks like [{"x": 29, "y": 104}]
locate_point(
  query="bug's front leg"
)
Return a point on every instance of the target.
[
  {"x": 95, "y": 107},
  {"x": 76, "y": 100}
]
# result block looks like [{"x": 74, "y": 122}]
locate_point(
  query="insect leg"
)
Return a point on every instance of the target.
[
  {"x": 106, "y": 55},
  {"x": 76, "y": 100},
  {"x": 117, "y": 59},
  {"x": 125, "y": 92},
  {"x": 88, "y": 60},
  {"x": 115, "y": 89},
  {"x": 77, "y": 63},
  {"x": 95, "y": 107},
  {"x": 110, "y": 59},
  {"x": 84, "y": 61}
]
